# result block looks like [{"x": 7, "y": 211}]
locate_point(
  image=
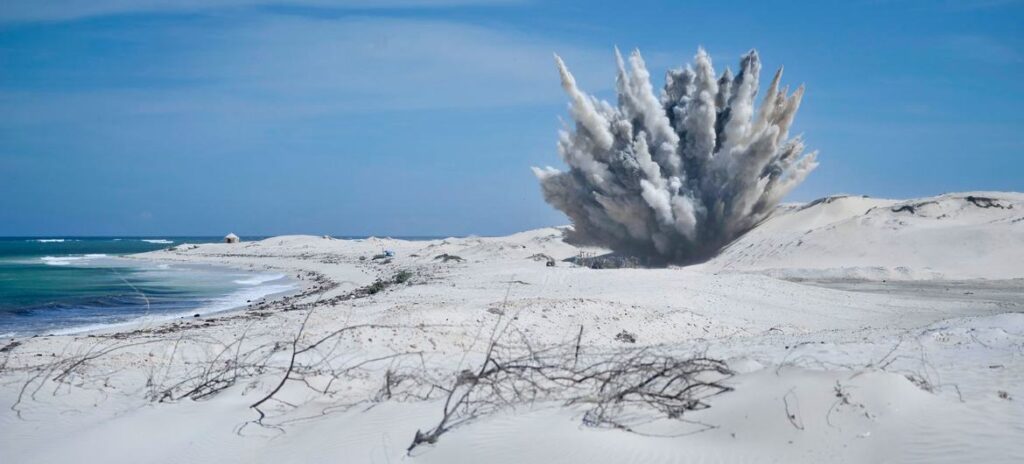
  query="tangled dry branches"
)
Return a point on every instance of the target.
[
  {"x": 612, "y": 386},
  {"x": 608, "y": 384}
]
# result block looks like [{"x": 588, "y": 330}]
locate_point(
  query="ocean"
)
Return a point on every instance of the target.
[{"x": 72, "y": 284}]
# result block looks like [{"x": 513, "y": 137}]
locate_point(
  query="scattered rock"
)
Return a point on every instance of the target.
[
  {"x": 610, "y": 261},
  {"x": 541, "y": 257},
  {"x": 10, "y": 346},
  {"x": 625, "y": 337}
]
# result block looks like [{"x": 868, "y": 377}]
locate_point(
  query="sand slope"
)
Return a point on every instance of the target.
[
  {"x": 952, "y": 236},
  {"x": 857, "y": 331}
]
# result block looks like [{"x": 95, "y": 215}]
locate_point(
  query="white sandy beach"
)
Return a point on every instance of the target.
[{"x": 855, "y": 330}]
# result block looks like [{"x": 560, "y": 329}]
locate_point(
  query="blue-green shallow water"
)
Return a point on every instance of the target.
[{"x": 70, "y": 284}]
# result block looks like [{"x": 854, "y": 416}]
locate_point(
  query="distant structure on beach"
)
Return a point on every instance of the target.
[{"x": 231, "y": 238}]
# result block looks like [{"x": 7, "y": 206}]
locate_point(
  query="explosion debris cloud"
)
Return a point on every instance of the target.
[{"x": 676, "y": 177}]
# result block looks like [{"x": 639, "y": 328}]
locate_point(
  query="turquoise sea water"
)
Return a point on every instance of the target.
[{"x": 67, "y": 284}]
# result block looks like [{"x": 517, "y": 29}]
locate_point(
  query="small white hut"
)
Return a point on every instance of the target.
[{"x": 231, "y": 238}]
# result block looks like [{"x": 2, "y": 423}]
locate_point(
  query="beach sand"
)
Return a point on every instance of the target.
[{"x": 855, "y": 330}]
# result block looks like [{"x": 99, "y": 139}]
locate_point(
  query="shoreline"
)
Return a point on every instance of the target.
[{"x": 236, "y": 301}]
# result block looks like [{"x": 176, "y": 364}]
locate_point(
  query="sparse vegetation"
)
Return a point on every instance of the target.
[
  {"x": 445, "y": 257},
  {"x": 985, "y": 202},
  {"x": 380, "y": 285},
  {"x": 402, "y": 276},
  {"x": 376, "y": 287}
]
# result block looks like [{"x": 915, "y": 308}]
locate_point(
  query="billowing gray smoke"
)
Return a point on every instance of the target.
[{"x": 678, "y": 177}]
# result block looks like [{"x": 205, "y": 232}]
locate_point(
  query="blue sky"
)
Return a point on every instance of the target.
[{"x": 405, "y": 117}]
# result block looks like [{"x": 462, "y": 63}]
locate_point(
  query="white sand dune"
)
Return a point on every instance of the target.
[
  {"x": 858, "y": 331},
  {"x": 952, "y": 236}
]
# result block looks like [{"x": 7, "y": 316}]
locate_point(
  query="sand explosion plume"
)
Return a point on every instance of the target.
[{"x": 678, "y": 177}]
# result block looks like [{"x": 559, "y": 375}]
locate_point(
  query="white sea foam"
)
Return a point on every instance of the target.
[
  {"x": 68, "y": 260},
  {"x": 243, "y": 296},
  {"x": 47, "y": 240},
  {"x": 259, "y": 279},
  {"x": 157, "y": 240},
  {"x": 59, "y": 260},
  {"x": 236, "y": 299}
]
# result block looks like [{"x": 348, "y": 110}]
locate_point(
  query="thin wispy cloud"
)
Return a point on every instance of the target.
[
  {"x": 978, "y": 4},
  {"x": 273, "y": 67},
  {"x": 985, "y": 49},
  {"x": 63, "y": 10},
  {"x": 950, "y": 5}
]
